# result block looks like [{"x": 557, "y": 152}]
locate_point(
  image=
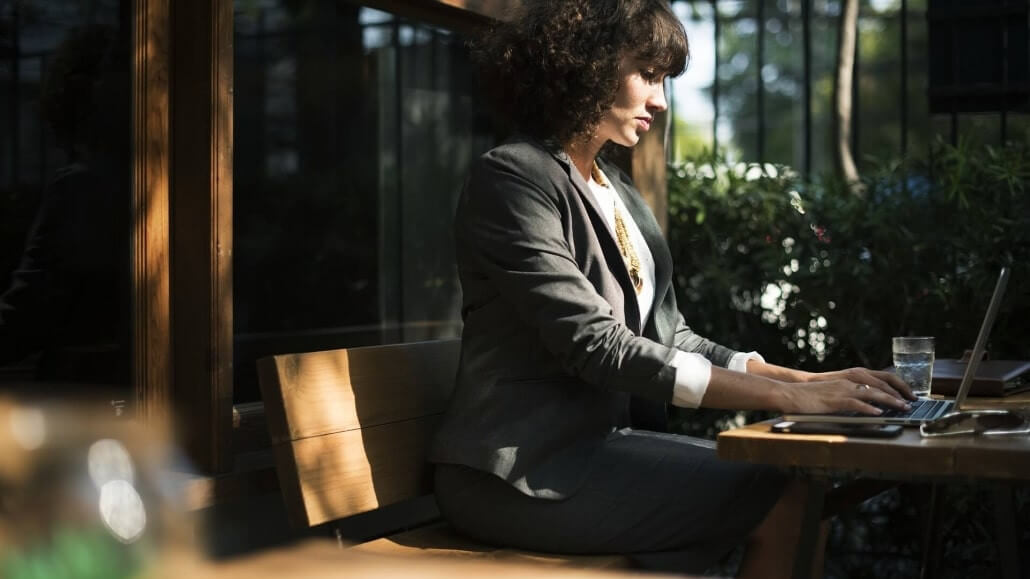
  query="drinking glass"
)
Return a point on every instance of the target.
[{"x": 913, "y": 361}]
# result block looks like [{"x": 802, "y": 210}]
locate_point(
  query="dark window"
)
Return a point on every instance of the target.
[
  {"x": 354, "y": 130},
  {"x": 980, "y": 53},
  {"x": 65, "y": 106}
]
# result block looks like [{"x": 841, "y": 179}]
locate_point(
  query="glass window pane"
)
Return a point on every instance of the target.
[
  {"x": 878, "y": 126},
  {"x": 783, "y": 78},
  {"x": 354, "y": 130},
  {"x": 692, "y": 109},
  {"x": 920, "y": 132},
  {"x": 825, "y": 16},
  {"x": 64, "y": 196},
  {"x": 738, "y": 82}
]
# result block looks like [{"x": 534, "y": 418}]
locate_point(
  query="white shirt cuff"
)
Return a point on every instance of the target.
[
  {"x": 738, "y": 362},
  {"x": 693, "y": 372}
]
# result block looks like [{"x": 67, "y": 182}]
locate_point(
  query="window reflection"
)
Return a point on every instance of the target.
[
  {"x": 354, "y": 129},
  {"x": 64, "y": 184}
]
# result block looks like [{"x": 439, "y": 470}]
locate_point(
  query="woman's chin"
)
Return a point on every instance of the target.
[{"x": 628, "y": 140}]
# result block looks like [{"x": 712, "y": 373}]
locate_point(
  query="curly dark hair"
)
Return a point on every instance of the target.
[{"x": 552, "y": 71}]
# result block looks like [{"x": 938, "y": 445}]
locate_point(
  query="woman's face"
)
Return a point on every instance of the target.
[{"x": 641, "y": 94}]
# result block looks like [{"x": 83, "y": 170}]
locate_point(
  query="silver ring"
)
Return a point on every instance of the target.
[{"x": 861, "y": 386}]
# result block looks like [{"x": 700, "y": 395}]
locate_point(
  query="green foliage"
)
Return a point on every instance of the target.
[
  {"x": 85, "y": 553},
  {"x": 813, "y": 276}
]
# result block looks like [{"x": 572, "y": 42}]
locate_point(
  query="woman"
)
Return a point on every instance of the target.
[{"x": 571, "y": 324}]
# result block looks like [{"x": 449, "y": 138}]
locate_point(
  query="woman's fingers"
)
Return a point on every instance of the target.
[
  {"x": 858, "y": 405},
  {"x": 867, "y": 393},
  {"x": 843, "y": 395},
  {"x": 883, "y": 381},
  {"x": 896, "y": 383}
]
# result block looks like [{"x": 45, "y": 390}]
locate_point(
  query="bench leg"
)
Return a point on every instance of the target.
[{"x": 811, "y": 522}]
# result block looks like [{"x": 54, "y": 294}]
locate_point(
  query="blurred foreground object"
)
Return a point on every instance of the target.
[{"x": 86, "y": 494}]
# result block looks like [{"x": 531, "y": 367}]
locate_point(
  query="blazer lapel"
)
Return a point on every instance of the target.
[
  {"x": 584, "y": 191},
  {"x": 650, "y": 230},
  {"x": 619, "y": 270}
]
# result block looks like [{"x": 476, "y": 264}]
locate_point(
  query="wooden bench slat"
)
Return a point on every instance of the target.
[
  {"x": 345, "y": 473},
  {"x": 318, "y": 393}
]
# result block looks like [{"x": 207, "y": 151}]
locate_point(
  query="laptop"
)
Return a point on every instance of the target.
[{"x": 925, "y": 409}]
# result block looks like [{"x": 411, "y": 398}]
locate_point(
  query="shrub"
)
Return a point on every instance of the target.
[
  {"x": 813, "y": 276},
  {"x": 816, "y": 277}
]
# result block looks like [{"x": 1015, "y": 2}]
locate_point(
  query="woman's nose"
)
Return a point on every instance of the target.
[{"x": 656, "y": 101}]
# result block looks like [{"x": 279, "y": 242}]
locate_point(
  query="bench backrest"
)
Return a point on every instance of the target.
[{"x": 350, "y": 428}]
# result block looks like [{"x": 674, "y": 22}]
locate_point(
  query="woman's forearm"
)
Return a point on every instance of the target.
[
  {"x": 781, "y": 373},
  {"x": 739, "y": 391}
]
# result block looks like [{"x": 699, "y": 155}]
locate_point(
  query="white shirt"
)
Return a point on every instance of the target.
[{"x": 693, "y": 371}]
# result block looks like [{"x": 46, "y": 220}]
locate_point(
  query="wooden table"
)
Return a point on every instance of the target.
[{"x": 908, "y": 457}]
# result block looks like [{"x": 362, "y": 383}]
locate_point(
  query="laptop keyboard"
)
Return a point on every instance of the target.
[{"x": 919, "y": 409}]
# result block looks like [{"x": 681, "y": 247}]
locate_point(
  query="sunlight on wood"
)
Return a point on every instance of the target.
[
  {"x": 351, "y": 428},
  {"x": 150, "y": 226},
  {"x": 497, "y": 9}
]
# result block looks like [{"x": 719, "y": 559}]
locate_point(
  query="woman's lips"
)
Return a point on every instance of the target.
[{"x": 644, "y": 123}]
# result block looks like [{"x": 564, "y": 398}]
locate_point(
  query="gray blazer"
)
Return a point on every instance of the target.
[{"x": 551, "y": 351}]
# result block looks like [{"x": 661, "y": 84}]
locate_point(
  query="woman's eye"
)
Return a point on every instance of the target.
[{"x": 649, "y": 74}]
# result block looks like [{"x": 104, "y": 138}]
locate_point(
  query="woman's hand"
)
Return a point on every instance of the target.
[
  {"x": 788, "y": 390},
  {"x": 884, "y": 381},
  {"x": 838, "y": 395}
]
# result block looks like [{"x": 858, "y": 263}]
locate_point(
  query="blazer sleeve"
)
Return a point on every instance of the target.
[
  {"x": 511, "y": 228},
  {"x": 685, "y": 339}
]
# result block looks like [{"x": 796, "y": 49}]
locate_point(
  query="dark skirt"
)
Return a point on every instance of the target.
[{"x": 664, "y": 495}]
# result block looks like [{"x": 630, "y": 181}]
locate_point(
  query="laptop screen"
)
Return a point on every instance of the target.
[{"x": 981, "y": 338}]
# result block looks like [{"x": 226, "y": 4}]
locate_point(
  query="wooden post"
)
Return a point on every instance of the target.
[
  {"x": 202, "y": 221},
  {"x": 152, "y": 372}
]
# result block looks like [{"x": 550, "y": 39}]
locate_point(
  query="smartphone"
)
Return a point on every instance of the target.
[{"x": 865, "y": 430}]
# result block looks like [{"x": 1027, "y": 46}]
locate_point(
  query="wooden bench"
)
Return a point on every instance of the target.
[{"x": 350, "y": 429}]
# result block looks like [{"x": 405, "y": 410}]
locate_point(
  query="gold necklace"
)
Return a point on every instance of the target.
[{"x": 629, "y": 254}]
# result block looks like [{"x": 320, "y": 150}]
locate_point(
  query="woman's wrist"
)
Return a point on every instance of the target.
[{"x": 779, "y": 395}]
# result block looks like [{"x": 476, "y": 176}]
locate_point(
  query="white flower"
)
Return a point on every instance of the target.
[{"x": 795, "y": 202}]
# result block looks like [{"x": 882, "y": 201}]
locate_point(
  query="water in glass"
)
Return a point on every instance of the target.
[{"x": 916, "y": 370}]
